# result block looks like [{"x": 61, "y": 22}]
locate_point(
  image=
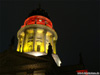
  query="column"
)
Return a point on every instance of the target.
[
  {"x": 34, "y": 38},
  {"x": 51, "y": 41},
  {"x": 44, "y": 40},
  {"x": 21, "y": 44},
  {"x": 54, "y": 46},
  {"x": 18, "y": 46},
  {"x": 24, "y": 39}
]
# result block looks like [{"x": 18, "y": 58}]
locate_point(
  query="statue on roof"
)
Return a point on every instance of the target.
[{"x": 50, "y": 49}]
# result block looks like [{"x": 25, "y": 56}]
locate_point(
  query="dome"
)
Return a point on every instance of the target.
[
  {"x": 39, "y": 11},
  {"x": 38, "y": 16}
]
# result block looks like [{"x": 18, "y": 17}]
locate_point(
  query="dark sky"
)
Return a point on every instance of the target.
[{"x": 76, "y": 23}]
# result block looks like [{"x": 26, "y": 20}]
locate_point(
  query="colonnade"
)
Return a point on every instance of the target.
[{"x": 35, "y": 39}]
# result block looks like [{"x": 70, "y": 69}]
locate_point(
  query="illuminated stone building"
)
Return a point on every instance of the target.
[
  {"x": 36, "y": 34},
  {"x": 36, "y": 50}
]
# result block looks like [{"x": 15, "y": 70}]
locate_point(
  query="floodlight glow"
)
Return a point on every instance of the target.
[{"x": 36, "y": 53}]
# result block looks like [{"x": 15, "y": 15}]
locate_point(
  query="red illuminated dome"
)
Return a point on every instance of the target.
[{"x": 38, "y": 16}]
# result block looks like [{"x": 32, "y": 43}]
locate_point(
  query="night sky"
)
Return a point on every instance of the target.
[{"x": 76, "y": 23}]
